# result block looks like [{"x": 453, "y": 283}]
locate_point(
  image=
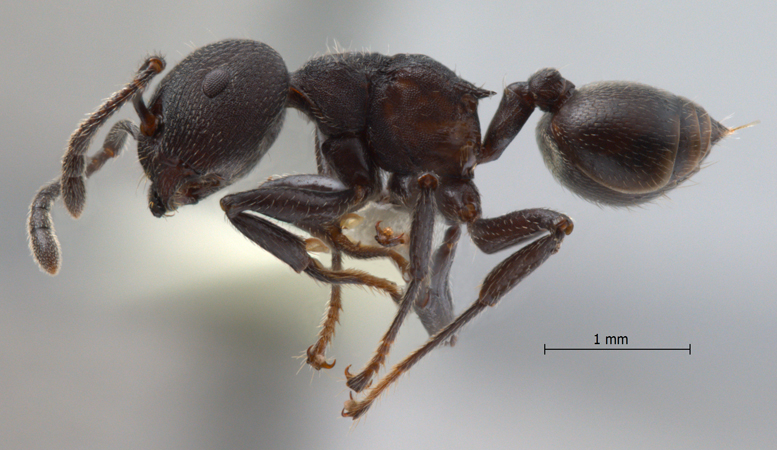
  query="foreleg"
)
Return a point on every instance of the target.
[{"x": 299, "y": 200}]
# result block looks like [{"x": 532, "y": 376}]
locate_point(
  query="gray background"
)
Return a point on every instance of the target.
[{"x": 178, "y": 333}]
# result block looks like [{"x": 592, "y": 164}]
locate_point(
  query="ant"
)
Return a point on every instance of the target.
[{"x": 400, "y": 131}]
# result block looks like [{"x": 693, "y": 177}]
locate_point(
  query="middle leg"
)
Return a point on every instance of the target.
[
  {"x": 490, "y": 235},
  {"x": 421, "y": 231}
]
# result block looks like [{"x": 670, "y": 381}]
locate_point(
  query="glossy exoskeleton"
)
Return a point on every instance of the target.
[{"x": 397, "y": 130}]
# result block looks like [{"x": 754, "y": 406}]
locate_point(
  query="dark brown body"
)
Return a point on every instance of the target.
[
  {"x": 397, "y": 129},
  {"x": 625, "y": 156}
]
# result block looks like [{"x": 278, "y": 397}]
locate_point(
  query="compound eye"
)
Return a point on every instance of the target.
[{"x": 215, "y": 82}]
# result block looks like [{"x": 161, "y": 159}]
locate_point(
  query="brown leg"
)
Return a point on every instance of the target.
[
  {"x": 420, "y": 256},
  {"x": 494, "y": 234},
  {"x": 435, "y": 304},
  {"x": 361, "y": 251},
  {"x": 316, "y": 352},
  {"x": 385, "y": 236},
  {"x": 342, "y": 244}
]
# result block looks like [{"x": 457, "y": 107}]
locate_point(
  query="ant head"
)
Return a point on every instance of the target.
[{"x": 210, "y": 121}]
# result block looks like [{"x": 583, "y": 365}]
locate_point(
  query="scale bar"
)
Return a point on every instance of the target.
[{"x": 545, "y": 349}]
